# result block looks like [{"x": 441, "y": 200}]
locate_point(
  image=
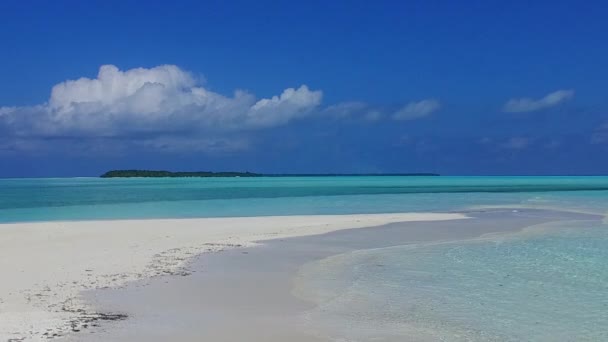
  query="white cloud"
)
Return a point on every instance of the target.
[
  {"x": 292, "y": 103},
  {"x": 529, "y": 105},
  {"x": 346, "y": 109},
  {"x": 6, "y": 110},
  {"x": 367, "y": 112},
  {"x": 160, "y": 99},
  {"x": 354, "y": 110},
  {"x": 416, "y": 110},
  {"x": 137, "y": 90},
  {"x": 166, "y": 108}
]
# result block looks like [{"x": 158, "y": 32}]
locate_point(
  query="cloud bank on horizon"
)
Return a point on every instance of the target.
[
  {"x": 167, "y": 101},
  {"x": 165, "y": 108}
]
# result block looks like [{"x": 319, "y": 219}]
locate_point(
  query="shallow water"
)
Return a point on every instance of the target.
[
  {"x": 548, "y": 283},
  {"x": 97, "y": 198}
]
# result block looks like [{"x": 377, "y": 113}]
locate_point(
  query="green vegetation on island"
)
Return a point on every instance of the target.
[
  {"x": 157, "y": 174},
  {"x": 153, "y": 173}
]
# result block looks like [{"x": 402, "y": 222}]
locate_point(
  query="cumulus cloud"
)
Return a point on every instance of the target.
[
  {"x": 166, "y": 108},
  {"x": 160, "y": 99},
  {"x": 416, "y": 110},
  {"x": 529, "y": 105},
  {"x": 292, "y": 103}
]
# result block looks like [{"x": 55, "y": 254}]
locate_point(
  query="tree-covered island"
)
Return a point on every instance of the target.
[
  {"x": 155, "y": 173},
  {"x": 158, "y": 174}
]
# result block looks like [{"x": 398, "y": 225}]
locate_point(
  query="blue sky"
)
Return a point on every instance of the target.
[{"x": 355, "y": 86}]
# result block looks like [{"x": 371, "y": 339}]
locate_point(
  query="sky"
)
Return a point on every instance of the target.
[{"x": 452, "y": 87}]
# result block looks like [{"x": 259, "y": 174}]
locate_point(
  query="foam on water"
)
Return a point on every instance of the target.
[{"x": 544, "y": 284}]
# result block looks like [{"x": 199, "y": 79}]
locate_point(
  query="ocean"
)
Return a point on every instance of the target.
[
  {"x": 57, "y": 199},
  {"x": 546, "y": 283}
]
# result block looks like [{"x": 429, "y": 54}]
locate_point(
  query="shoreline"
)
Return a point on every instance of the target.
[
  {"x": 252, "y": 293},
  {"x": 47, "y": 265}
]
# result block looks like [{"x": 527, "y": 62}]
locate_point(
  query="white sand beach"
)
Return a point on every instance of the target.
[{"x": 45, "y": 266}]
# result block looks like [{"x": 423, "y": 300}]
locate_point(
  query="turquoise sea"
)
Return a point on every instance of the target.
[
  {"x": 548, "y": 283},
  {"x": 96, "y": 198}
]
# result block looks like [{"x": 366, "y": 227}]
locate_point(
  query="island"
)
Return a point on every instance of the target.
[
  {"x": 161, "y": 173},
  {"x": 155, "y": 173}
]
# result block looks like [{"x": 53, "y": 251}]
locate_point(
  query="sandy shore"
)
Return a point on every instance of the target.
[
  {"x": 263, "y": 293},
  {"x": 46, "y": 266}
]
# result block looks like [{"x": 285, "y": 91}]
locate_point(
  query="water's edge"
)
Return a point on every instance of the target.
[{"x": 265, "y": 275}]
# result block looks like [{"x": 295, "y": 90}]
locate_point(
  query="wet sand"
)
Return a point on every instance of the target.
[
  {"x": 247, "y": 293},
  {"x": 45, "y": 266}
]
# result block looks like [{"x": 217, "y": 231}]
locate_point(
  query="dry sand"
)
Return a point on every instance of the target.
[{"x": 45, "y": 266}]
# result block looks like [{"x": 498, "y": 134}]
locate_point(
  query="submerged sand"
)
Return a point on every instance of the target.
[
  {"x": 46, "y": 266},
  {"x": 247, "y": 294}
]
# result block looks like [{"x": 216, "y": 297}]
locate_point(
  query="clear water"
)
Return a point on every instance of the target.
[
  {"x": 96, "y": 198},
  {"x": 546, "y": 284}
]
